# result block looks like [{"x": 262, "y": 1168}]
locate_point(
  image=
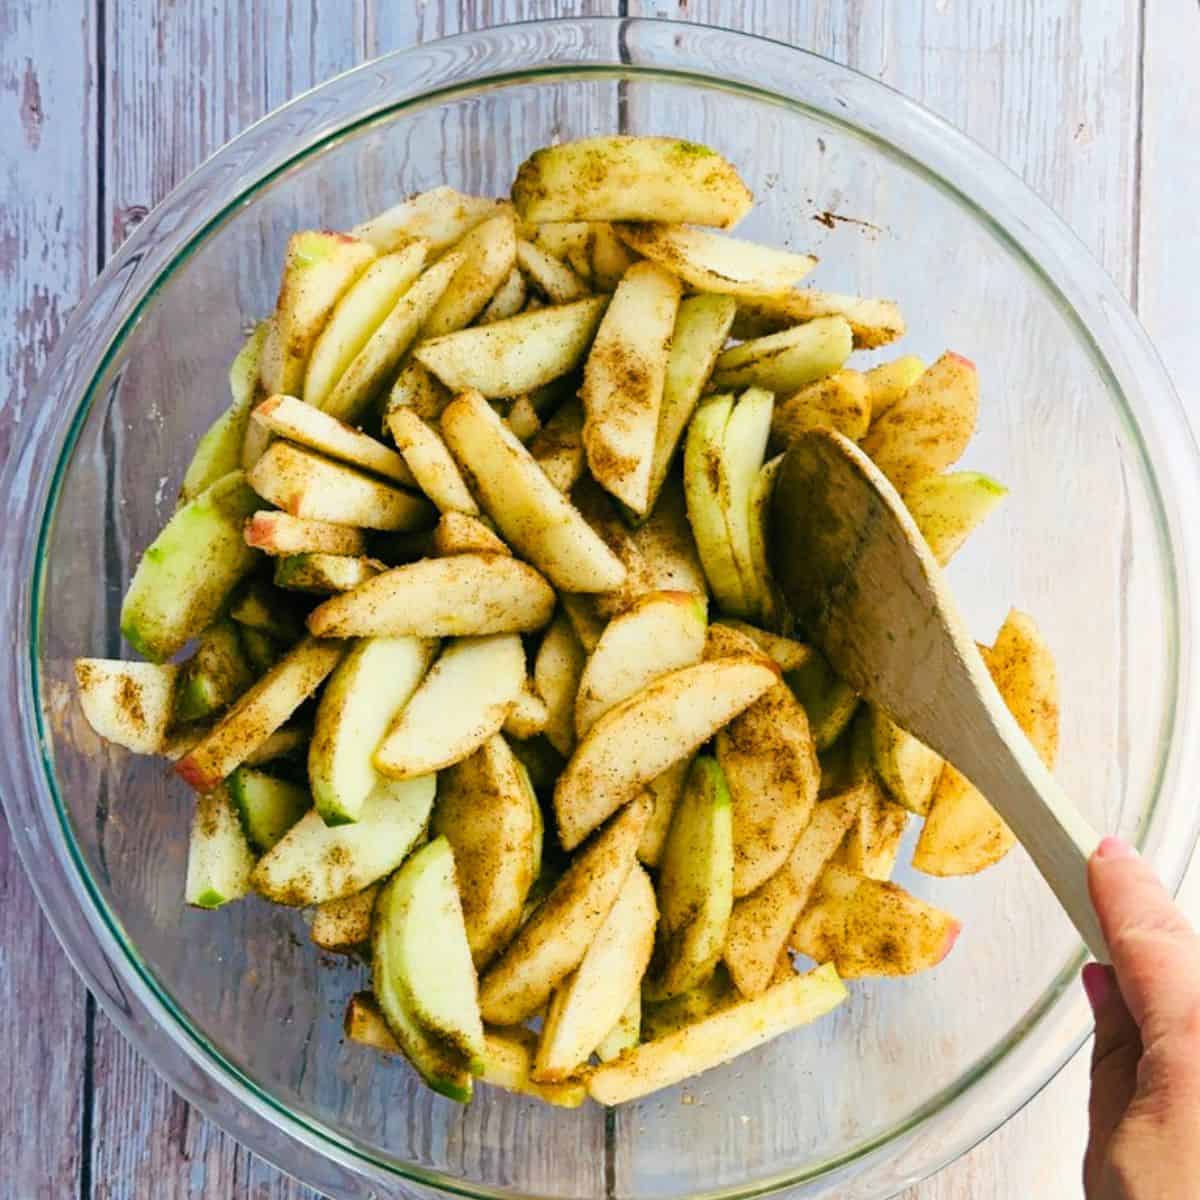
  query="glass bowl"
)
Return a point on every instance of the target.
[{"x": 236, "y": 1009}]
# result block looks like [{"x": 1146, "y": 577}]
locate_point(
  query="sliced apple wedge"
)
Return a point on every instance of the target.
[
  {"x": 558, "y": 446},
  {"x": 516, "y": 355},
  {"x": 963, "y": 834},
  {"x": 761, "y": 493},
  {"x": 623, "y": 382},
  {"x": 419, "y": 389},
  {"x": 663, "y": 1017},
  {"x": 610, "y": 257},
  {"x": 212, "y": 679},
  {"x": 908, "y": 768},
  {"x": 661, "y": 632},
  {"x": 314, "y": 862},
  {"x": 458, "y": 533},
  {"x": 701, "y": 328},
  {"x": 556, "y": 674},
  {"x": 324, "y": 574},
  {"x": 552, "y": 277},
  {"x": 486, "y": 809},
  {"x": 624, "y": 178},
  {"x": 947, "y": 507},
  {"x": 552, "y": 943},
  {"x": 786, "y": 361},
  {"x": 761, "y": 922},
  {"x": 872, "y": 927},
  {"x": 625, "y": 1034},
  {"x": 591, "y": 1000},
  {"x": 127, "y": 703},
  {"x": 464, "y": 595},
  {"x": 507, "y": 300},
  {"x": 887, "y": 382},
  {"x": 459, "y": 705},
  {"x": 530, "y": 512},
  {"x": 718, "y": 1038},
  {"x": 489, "y": 253},
  {"x": 666, "y": 545},
  {"x": 259, "y": 712},
  {"x": 742, "y": 449},
  {"x": 220, "y": 857},
  {"x": 788, "y": 654},
  {"x": 928, "y": 429},
  {"x": 300, "y": 422},
  {"x": 440, "y": 217},
  {"x": 830, "y": 702},
  {"x": 280, "y": 534},
  {"x": 711, "y": 262},
  {"x": 370, "y": 686},
  {"x": 528, "y": 715},
  {"x": 840, "y": 401},
  {"x": 308, "y": 485},
  {"x": 369, "y": 371},
  {"x": 267, "y": 805},
  {"x": 185, "y": 576},
  {"x": 639, "y": 739},
  {"x": 431, "y": 463},
  {"x": 344, "y": 925},
  {"x": 873, "y": 842},
  {"x": 665, "y": 791},
  {"x": 695, "y": 883},
  {"x": 359, "y": 312},
  {"x": 318, "y": 268},
  {"x": 874, "y": 322}
]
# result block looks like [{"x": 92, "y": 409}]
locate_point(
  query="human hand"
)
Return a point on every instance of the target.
[{"x": 1144, "y": 1111}]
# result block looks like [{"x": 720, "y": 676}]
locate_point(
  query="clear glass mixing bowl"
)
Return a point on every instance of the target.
[{"x": 236, "y": 1009}]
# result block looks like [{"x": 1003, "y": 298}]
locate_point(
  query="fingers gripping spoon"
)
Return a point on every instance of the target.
[{"x": 861, "y": 582}]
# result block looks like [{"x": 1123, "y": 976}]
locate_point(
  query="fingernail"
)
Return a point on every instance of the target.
[
  {"x": 1115, "y": 847},
  {"x": 1098, "y": 983}
]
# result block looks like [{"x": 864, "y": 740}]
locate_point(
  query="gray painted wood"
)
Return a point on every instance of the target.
[{"x": 181, "y": 76}]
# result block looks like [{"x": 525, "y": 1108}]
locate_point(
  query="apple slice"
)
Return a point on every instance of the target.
[
  {"x": 610, "y": 257},
  {"x": 840, "y": 401},
  {"x": 695, "y": 883},
  {"x": 419, "y": 389},
  {"x": 706, "y": 484},
  {"x": 486, "y": 809},
  {"x": 963, "y": 834},
  {"x": 872, "y": 927},
  {"x": 592, "y": 999},
  {"x": 788, "y": 654},
  {"x": 947, "y": 507},
  {"x": 459, "y": 705},
  {"x": 666, "y": 545},
  {"x": 742, "y": 449},
  {"x": 558, "y": 447},
  {"x": 220, "y": 858},
  {"x": 640, "y": 738},
  {"x": 344, "y": 926},
  {"x": 318, "y": 268},
  {"x": 211, "y": 680},
  {"x": 661, "y": 632},
  {"x": 516, "y": 355},
  {"x": 371, "y": 368},
  {"x": 440, "y": 217},
  {"x": 489, "y": 253},
  {"x": 785, "y": 362},
  {"x": 585, "y": 620},
  {"x": 663, "y": 1017},
  {"x": 359, "y": 312},
  {"x": 711, "y": 262},
  {"x": 553, "y": 278},
  {"x": 324, "y": 574},
  {"x": 431, "y": 464},
  {"x": 887, "y": 382},
  {"x": 552, "y": 943},
  {"x": 759, "y": 518},
  {"x": 701, "y": 328},
  {"x": 873, "y": 842},
  {"x": 530, "y": 512},
  {"x": 268, "y": 806},
  {"x": 625, "y": 1034},
  {"x": 908, "y": 768},
  {"x": 185, "y": 576},
  {"x": 557, "y": 671},
  {"x": 300, "y": 422},
  {"x": 829, "y": 702},
  {"x": 718, "y": 1038},
  {"x": 665, "y": 791},
  {"x": 623, "y": 382},
  {"x": 127, "y": 703},
  {"x": 507, "y": 300},
  {"x": 314, "y": 862},
  {"x": 307, "y": 485},
  {"x": 370, "y": 686},
  {"x": 280, "y": 535},
  {"x": 458, "y": 533},
  {"x": 463, "y": 595},
  {"x": 928, "y": 429},
  {"x": 528, "y": 715},
  {"x": 761, "y": 922},
  {"x": 259, "y": 712},
  {"x": 623, "y": 178},
  {"x": 873, "y": 322}
]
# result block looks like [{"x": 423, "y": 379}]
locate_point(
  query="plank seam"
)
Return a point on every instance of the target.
[{"x": 1135, "y": 254}]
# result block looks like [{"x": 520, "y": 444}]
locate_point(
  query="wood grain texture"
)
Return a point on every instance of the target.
[{"x": 47, "y": 258}]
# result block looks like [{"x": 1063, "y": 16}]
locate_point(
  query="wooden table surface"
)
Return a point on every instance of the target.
[{"x": 109, "y": 103}]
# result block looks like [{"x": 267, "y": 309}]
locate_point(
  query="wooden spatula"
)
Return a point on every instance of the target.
[{"x": 862, "y": 584}]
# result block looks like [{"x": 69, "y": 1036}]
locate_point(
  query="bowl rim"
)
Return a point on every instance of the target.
[{"x": 419, "y": 76}]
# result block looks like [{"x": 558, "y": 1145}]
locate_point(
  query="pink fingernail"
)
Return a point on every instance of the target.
[
  {"x": 1098, "y": 983},
  {"x": 1115, "y": 847}
]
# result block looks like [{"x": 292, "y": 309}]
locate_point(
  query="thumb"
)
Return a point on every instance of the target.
[{"x": 1155, "y": 953}]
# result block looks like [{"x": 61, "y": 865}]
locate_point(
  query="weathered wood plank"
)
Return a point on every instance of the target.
[{"x": 47, "y": 258}]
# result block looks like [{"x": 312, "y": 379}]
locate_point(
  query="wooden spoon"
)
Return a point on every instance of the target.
[{"x": 861, "y": 582}]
